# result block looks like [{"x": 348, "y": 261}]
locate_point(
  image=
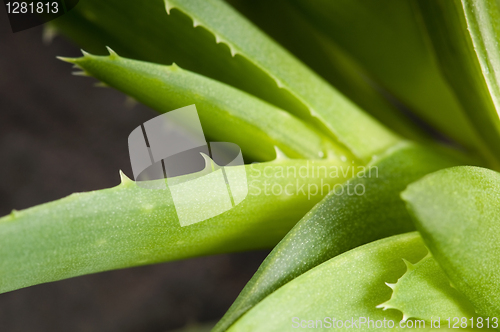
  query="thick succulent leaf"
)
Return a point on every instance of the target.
[
  {"x": 361, "y": 134},
  {"x": 457, "y": 211},
  {"x": 385, "y": 39},
  {"x": 260, "y": 66},
  {"x": 144, "y": 31},
  {"x": 465, "y": 36},
  {"x": 345, "y": 287},
  {"x": 129, "y": 225},
  {"x": 226, "y": 114},
  {"x": 319, "y": 52},
  {"x": 342, "y": 221},
  {"x": 424, "y": 292}
]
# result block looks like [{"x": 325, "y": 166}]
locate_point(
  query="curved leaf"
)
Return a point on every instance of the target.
[
  {"x": 346, "y": 287},
  {"x": 260, "y": 66},
  {"x": 319, "y": 52},
  {"x": 457, "y": 211},
  {"x": 425, "y": 292},
  {"x": 128, "y": 225},
  {"x": 340, "y": 222},
  {"x": 385, "y": 38},
  {"x": 226, "y": 114},
  {"x": 465, "y": 36},
  {"x": 349, "y": 125},
  {"x": 144, "y": 31}
]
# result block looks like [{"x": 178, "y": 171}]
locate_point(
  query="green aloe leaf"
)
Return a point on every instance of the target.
[
  {"x": 362, "y": 135},
  {"x": 129, "y": 225},
  {"x": 319, "y": 52},
  {"x": 424, "y": 292},
  {"x": 465, "y": 36},
  {"x": 385, "y": 39},
  {"x": 345, "y": 287},
  {"x": 144, "y": 31},
  {"x": 342, "y": 221},
  {"x": 457, "y": 212},
  {"x": 260, "y": 66},
  {"x": 226, "y": 114}
]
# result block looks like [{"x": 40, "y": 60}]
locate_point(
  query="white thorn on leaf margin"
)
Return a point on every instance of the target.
[
  {"x": 112, "y": 53},
  {"x": 125, "y": 180},
  {"x": 168, "y": 6},
  {"x": 280, "y": 155}
]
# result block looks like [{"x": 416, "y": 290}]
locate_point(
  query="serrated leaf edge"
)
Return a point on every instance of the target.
[
  {"x": 235, "y": 50},
  {"x": 387, "y": 304}
]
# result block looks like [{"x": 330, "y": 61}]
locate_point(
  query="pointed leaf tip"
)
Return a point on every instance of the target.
[
  {"x": 280, "y": 155},
  {"x": 129, "y": 102},
  {"x": 409, "y": 265},
  {"x": 390, "y": 285},
  {"x": 101, "y": 85},
  {"x": 49, "y": 33},
  {"x": 386, "y": 305},
  {"x": 382, "y": 306},
  {"x": 112, "y": 54},
  {"x": 168, "y": 6},
  {"x": 124, "y": 179},
  {"x": 85, "y": 53},
  {"x": 81, "y": 73},
  {"x": 209, "y": 163},
  {"x": 69, "y": 60},
  {"x": 421, "y": 282}
]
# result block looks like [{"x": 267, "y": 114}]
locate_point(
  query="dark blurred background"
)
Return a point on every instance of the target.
[{"x": 59, "y": 134}]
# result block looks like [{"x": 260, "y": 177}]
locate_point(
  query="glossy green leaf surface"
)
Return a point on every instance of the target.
[
  {"x": 342, "y": 221},
  {"x": 457, "y": 211},
  {"x": 260, "y": 61},
  {"x": 425, "y": 292},
  {"x": 144, "y": 31},
  {"x": 321, "y": 54},
  {"x": 128, "y": 225},
  {"x": 385, "y": 38},
  {"x": 345, "y": 287},
  {"x": 356, "y": 130},
  {"x": 465, "y": 36},
  {"x": 226, "y": 114},
  {"x": 250, "y": 90}
]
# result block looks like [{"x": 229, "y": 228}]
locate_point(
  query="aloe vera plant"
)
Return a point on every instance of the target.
[{"x": 405, "y": 232}]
